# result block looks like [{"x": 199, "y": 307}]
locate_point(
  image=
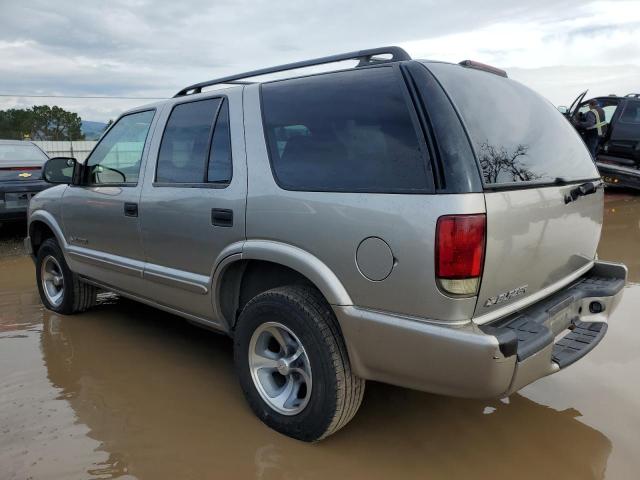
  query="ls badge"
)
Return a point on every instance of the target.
[{"x": 503, "y": 297}]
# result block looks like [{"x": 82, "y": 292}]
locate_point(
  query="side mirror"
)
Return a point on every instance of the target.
[
  {"x": 59, "y": 170},
  {"x": 563, "y": 110}
]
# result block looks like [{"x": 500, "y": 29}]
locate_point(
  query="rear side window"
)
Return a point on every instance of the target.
[
  {"x": 631, "y": 113},
  {"x": 192, "y": 150},
  {"x": 219, "y": 170},
  {"x": 345, "y": 132},
  {"x": 518, "y": 136}
]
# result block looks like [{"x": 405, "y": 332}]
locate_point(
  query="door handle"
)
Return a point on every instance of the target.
[
  {"x": 222, "y": 217},
  {"x": 131, "y": 209}
]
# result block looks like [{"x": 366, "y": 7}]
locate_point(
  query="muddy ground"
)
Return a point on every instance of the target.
[{"x": 126, "y": 391}]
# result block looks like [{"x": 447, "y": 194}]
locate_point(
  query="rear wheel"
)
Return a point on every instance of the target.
[
  {"x": 60, "y": 289},
  {"x": 293, "y": 364}
]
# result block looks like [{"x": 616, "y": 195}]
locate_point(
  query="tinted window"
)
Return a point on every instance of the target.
[
  {"x": 631, "y": 113},
  {"x": 219, "y": 170},
  {"x": 347, "y": 131},
  {"x": 116, "y": 159},
  {"x": 185, "y": 143},
  {"x": 518, "y": 136}
]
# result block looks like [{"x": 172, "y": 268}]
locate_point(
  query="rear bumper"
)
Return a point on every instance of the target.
[
  {"x": 619, "y": 175},
  {"x": 15, "y": 197},
  {"x": 492, "y": 360}
]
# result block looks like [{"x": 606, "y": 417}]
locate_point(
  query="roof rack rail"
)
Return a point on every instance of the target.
[
  {"x": 366, "y": 57},
  {"x": 633, "y": 95},
  {"x": 484, "y": 67}
]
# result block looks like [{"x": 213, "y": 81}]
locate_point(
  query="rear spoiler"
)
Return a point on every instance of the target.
[{"x": 484, "y": 67}]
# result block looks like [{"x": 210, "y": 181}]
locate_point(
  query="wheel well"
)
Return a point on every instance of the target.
[
  {"x": 245, "y": 279},
  {"x": 38, "y": 233}
]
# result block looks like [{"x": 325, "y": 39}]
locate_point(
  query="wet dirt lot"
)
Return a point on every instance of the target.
[{"x": 126, "y": 391}]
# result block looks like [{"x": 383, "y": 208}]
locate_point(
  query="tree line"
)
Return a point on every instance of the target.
[{"x": 40, "y": 122}]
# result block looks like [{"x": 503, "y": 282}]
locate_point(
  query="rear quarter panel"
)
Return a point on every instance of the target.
[{"x": 330, "y": 226}]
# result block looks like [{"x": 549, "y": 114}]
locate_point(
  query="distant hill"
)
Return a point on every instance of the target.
[{"x": 92, "y": 130}]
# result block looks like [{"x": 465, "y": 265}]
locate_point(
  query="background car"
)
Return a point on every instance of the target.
[
  {"x": 20, "y": 177},
  {"x": 618, "y": 158}
]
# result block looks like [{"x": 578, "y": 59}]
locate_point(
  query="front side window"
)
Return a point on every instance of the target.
[
  {"x": 116, "y": 159},
  {"x": 196, "y": 146},
  {"x": 345, "y": 132}
]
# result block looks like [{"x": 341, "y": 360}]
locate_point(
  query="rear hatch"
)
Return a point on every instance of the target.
[{"x": 531, "y": 159}]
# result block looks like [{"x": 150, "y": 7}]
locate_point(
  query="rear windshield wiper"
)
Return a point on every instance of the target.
[{"x": 581, "y": 190}]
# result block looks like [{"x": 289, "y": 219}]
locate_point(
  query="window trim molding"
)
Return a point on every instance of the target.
[
  {"x": 103, "y": 136},
  {"x": 413, "y": 116},
  {"x": 204, "y": 184}
]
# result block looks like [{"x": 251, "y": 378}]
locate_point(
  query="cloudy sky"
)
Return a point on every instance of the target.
[{"x": 144, "y": 48}]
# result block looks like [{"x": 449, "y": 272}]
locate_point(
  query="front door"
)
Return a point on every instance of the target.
[
  {"x": 101, "y": 216},
  {"x": 193, "y": 200}
]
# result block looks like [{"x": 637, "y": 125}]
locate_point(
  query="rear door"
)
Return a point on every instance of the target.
[
  {"x": 193, "y": 200},
  {"x": 530, "y": 158}
]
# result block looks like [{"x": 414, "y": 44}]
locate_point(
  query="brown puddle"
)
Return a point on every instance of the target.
[{"x": 126, "y": 391}]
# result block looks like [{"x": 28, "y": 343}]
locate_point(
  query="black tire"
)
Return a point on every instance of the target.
[
  {"x": 336, "y": 393},
  {"x": 77, "y": 296}
]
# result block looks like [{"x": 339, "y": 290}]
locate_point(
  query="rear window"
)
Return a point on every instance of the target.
[
  {"x": 518, "y": 136},
  {"x": 21, "y": 153},
  {"x": 346, "y": 132}
]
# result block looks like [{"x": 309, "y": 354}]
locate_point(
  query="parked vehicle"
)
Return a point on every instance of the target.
[
  {"x": 20, "y": 177},
  {"x": 425, "y": 224},
  {"x": 618, "y": 159}
]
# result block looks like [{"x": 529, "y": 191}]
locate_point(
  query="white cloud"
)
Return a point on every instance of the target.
[
  {"x": 145, "y": 48},
  {"x": 597, "y": 49}
]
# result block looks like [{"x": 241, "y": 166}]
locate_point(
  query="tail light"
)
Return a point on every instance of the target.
[
  {"x": 460, "y": 242},
  {"x": 19, "y": 169}
]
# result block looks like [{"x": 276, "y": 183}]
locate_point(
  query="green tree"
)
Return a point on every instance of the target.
[{"x": 41, "y": 122}]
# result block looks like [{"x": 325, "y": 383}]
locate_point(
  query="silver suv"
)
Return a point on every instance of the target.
[{"x": 424, "y": 224}]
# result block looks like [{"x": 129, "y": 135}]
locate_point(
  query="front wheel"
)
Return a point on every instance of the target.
[
  {"x": 60, "y": 289},
  {"x": 293, "y": 364}
]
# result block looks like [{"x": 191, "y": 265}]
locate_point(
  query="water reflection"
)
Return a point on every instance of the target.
[
  {"x": 161, "y": 399},
  {"x": 621, "y": 231},
  {"x": 501, "y": 165},
  {"x": 126, "y": 391}
]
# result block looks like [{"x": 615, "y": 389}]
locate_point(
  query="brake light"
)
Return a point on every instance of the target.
[
  {"x": 21, "y": 169},
  {"x": 460, "y": 242}
]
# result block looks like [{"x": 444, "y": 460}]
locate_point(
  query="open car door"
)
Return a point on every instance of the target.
[{"x": 576, "y": 103}]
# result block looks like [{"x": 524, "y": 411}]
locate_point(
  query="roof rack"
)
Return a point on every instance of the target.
[
  {"x": 484, "y": 67},
  {"x": 633, "y": 95},
  {"x": 365, "y": 57}
]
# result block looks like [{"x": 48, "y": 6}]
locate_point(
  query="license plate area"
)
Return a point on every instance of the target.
[
  {"x": 562, "y": 315},
  {"x": 17, "y": 199}
]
